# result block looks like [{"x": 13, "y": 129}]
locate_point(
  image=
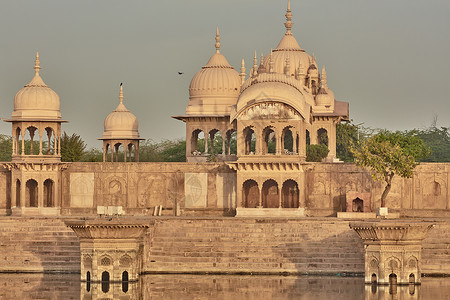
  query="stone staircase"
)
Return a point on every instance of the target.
[
  {"x": 264, "y": 246},
  {"x": 37, "y": 245},
  {"x": 436, "y": 250}
]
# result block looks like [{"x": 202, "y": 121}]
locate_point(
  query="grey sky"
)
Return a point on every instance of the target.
[{"x": 389, "y": 59}]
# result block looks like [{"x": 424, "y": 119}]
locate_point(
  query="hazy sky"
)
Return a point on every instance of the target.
[{"x": 389, "y": 59}]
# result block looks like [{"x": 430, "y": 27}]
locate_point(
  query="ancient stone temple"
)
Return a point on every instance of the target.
[{"x": 269, "y": 116}]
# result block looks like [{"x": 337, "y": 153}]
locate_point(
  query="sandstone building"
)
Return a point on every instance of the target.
[{"x": 265, "y": 120}]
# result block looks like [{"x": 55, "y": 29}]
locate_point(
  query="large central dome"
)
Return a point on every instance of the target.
[{"x": 288, "y": 49}]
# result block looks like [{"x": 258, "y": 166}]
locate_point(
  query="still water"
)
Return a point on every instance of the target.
[{"x": 38, "y": 286}]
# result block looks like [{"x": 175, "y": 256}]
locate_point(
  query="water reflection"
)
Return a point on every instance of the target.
[{"x": 61, "y": 286}]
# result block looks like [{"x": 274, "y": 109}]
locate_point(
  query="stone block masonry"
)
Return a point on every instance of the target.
[{"x": 214, "y": 245}]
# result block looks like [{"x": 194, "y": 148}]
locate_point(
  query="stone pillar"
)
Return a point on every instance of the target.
[
  {"x": 40, "y": 143},
  {"x": 22, "y": 192},
  {"x": 23, "y": 142},
  {"x": 40, "y": 193}
]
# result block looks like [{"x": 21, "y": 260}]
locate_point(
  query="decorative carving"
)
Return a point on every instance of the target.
[{"x": 269, "y": 110}]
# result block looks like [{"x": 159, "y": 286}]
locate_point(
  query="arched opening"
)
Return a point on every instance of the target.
[
  {"x": 308, "y": 138},
  {"x": 250, "y": 141},
  {"x": 198, "y": 142},
  {"x": 290, "y": 194},
  {"x": 50, "y": 144},
  {"x": 231, "y": 142},
  {"x": 17, "y": 193},
  {"x": 215, "y": 142},
  {"x": 105, "y": 282},
  {"x": 48, "y": 193},
  {"x": 119, "y": 153},
  {"x": 392, "y": 279},
  {"x": 436, "y": 189},
  {"x": 17, "y": 145},
  {"x": 288, "y": 141},
  {"x": 131, "y": 152},
  {"x": 270, "y": 197},
  {"x": 357, "y": 205},
  {"x": 373, "y": 279},
  {"x": 412, "y": 279},
  {"x": 322, "y": 137},
  {"x": 250, "y": 194},
  {"x": 31, "y": 188},
  {"x": 31, "y": 145},
  {"x": 270, "y": 142},
  {"x": 124, "y": 281}
]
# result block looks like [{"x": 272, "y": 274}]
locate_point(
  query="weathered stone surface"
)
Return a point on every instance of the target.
[{"x": 392, "y": 250}]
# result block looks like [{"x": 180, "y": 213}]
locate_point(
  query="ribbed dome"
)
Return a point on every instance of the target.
[
  {"x": 36, "y": 100},
  {"x": 121, "y": 123},
  {"x": 215, "y": 88}
]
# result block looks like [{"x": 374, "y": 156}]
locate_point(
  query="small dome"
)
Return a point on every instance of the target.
[
  {"x": 36, "y": 100},
  {"x": 215, "y": 88},
  {"x": 121, "y": 123},
  {"x": 323, "y": 98}
]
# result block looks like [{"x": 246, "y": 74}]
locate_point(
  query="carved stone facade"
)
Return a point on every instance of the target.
[
  {"x": 111, "y": 251},
  {"x": 392, "y": 250}
]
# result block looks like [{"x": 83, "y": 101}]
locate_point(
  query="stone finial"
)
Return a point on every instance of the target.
[
  {"x": 242, "y": 75},
  {"x": 37, "y": 63},
  {"x": 255, "y": 65},
  {"x": 121, "y": 93},
  {"x": 217, "y": 40},
  {"x": 270, "y": 62},
  {"x": 288, "y": 23},
  {"x": 323, "y": 81}
]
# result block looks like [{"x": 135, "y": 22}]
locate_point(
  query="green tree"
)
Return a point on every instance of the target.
[
  {"x": 346, "y": 138},
  {"x": 92, "y": 155},
  {"x": 72, "y": 147},
  {"x": 5, "y": 147},
  {"x": 438, "y": 140},
  {"x": 173, "y": 151},
  {"x": 316, "y": 153},
  {"x": 389, "y": 153}
]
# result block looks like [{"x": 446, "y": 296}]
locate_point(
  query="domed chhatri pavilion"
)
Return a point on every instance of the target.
[{"x": 121, "y": 130}]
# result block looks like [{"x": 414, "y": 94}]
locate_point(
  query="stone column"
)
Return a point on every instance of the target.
[
  {"x": 22, "y": 192},
  {"x": 40, "y": 193},
  {"x": 23, "y": 142},
  {"x": 40, "y": 143}
]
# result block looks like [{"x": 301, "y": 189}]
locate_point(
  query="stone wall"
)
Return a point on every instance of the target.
[
  {"x": 210, "y": 188},
  {"x": 5, "y": 191},
  {"x": 425, "y": 194},
  {"x": 214, "y": 245},
  {"x": 139, "y": 187}
]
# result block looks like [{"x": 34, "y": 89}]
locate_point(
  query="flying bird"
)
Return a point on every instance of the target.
[{"x": 180, "y": 73}]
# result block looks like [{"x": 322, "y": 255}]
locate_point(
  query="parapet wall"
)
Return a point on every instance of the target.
[{"x": 210, "y": 188}]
